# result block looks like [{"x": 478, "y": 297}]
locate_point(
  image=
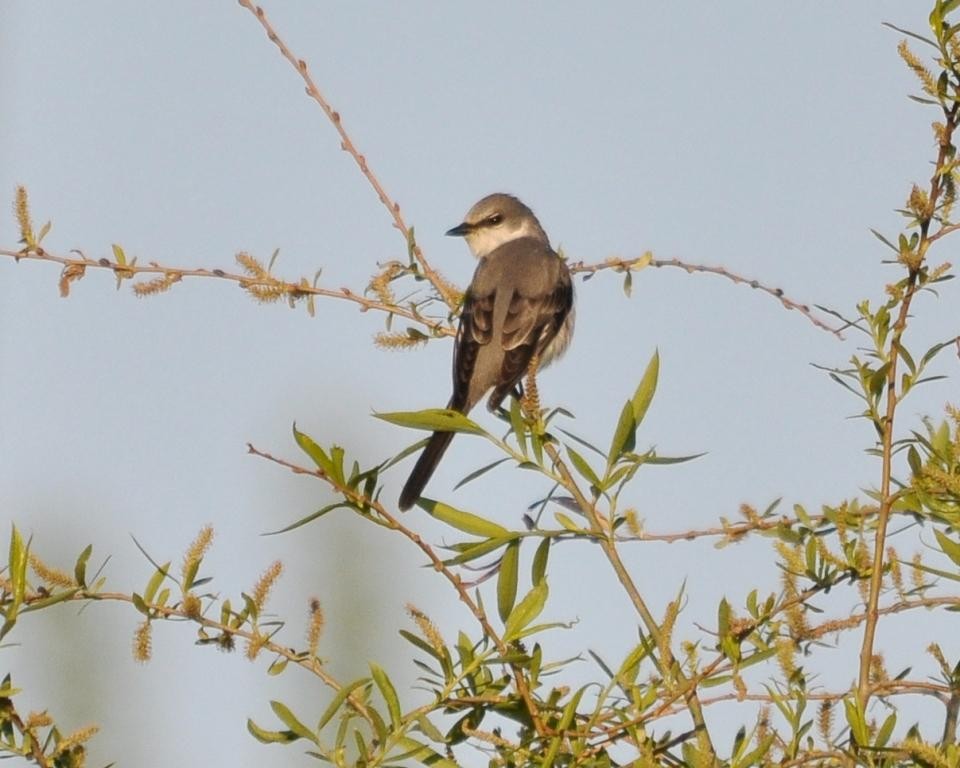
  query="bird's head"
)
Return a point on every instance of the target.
[{"x": 495, "y": 220}]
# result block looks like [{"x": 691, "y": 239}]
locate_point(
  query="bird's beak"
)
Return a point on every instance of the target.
[{"x": 461, "y": 230}]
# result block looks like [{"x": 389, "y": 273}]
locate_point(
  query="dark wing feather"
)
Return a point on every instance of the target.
[
  {"x": 531, "y": 324},
  {"x": 475, "y": 331}
]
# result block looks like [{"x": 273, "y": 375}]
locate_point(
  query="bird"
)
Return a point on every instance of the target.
[{"x": 517, "y": 309}]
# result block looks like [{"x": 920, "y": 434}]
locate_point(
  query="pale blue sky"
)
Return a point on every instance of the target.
[{"x": 764, "y": 137}]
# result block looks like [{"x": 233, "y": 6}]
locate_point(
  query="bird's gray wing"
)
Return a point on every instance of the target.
[
  {"x": 475, "y": 331},
  {"x": 532, "y": 321}
]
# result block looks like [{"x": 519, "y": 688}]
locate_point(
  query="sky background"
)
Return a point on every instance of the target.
[{"x": 764, "y": 137}]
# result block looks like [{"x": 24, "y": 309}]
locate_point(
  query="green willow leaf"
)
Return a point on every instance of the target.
[
  {"x": 80, "y": 569},
  {"x": 507, "y": 580},
  {"x": 314, "y": 451},
  {"x": 388, "y": 692},
  {"x": 526, "y": 611},
  {"x": 463, "y": 521},
  {"x": 539, "y": 568},
  {"x": 308, "y": 519},
  {"x": 270, "y": 737},
  {"x": 948, "y": 546},
  {"x": 585, "y": 470},
  {"x": 646, "y": 389},
  {"x": 478, "y": 472},
  {"x": 624, "y": 437},
  {"x": 338, "y": 701},
  {"x": 290, "y": 720},
  {"x": 155, "y": 581},
  {"x": 433, "y": 419}
]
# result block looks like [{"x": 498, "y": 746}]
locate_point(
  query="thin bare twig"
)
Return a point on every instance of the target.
[
  {"x": 626, "y": 265},
  {"x": 293, "y": 290},
  {"x": 346, "y": 144}
]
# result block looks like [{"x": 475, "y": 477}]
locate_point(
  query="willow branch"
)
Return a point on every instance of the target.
[
  {"x": 291, "y": 290},
  {"x": 671, "y": 669},
  {"x": 391, "y": 521},
  {"x": 887, "y": 497},
  {"x": 627, "y": 265},
  {"x": 448, "y": 295}
]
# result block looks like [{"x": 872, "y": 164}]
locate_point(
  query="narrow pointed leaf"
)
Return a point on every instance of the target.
[
  {"x": 314, "y": 451},
  {"x": 388, "y": 692},
  {"x": 646, "y": 389},
  {"x": 539, "y": 568},
  {"x": 507, "y": 580},
  {"x": 585, "y": 470},
  {"x": 308, "y": 519},
  {"x": 433, "y": 419},
  {"x": 624, "y": 436},
  {"x": 338, "y": 700},
  {"x": 463, "y": 521},
  {"x": 270, "y": 737},
  {"x": 478, "y": 472},
  {"x": 526, "y": 611},
  {"x": 290, "y": 720}
]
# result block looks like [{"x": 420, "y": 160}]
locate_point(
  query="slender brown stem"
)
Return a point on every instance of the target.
[
  {"x": 36, "y": 748},
  {"x": 292, "y": 289},
  {"x": 519, "y": 676},
  {"x": 669, "y": 666},
  {"x": 887, "y": 497},
  {"x": 346, "y": 144},
  {"x": 626, "y": 265}
]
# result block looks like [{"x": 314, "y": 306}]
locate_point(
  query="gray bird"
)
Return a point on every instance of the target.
[{"x": 519, "y": 305}]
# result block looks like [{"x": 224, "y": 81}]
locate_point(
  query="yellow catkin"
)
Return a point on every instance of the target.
[
  {"x": 918, "y": 202},
  {"x": 267, "y": 294},
  {"x": 834, "y": 625},
  {"x": 22, "y": 209},
  {"x": 927, "y": 81},
  {"x": 192, "y": 606},
  {"x": 825, "y": 721},
  {"x": 379, "y": 284},
  {"x": 197, "y": 549},
  {"x": 48, "y": 575},
  {"x": 666, "y": 629},
  {"x": 925, "y": 754},
  {"x": 76, "y": 738},
  {"x": 157, "y": 285},
  {"x": 763, "y": 723},
  {"x": 427, "y": 628},
  {"x": 449, "y": 292},
  {"x": 261, "y": 590},
  {"x": 250, "y": 265},
  {"x": 143, "y": 642},
  {"x": 896, "y": 572},
  {"x": 38, "y": 720},
  {"x": 916, "y": 575},
  {"x": 786, "y": 651},
  {"x": 740, "y": 686},
  {"x": 315, "y": 628},
  {"x": 69, "y": 274},
  {"x": 691, "y": 656},
  {"x": 634, "y": 523},
  {"x": 940, "y": 270},
  {"x": 934, "y": 650},
  {"x": 255, "y": 645},
  {"x": 386, "y": 340},
  {"x": 878, "y": 669}
]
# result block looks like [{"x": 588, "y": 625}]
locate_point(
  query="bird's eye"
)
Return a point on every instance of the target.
[{"x": 495, "y": 219}]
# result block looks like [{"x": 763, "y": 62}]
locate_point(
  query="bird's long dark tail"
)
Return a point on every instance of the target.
[{"x": 424, "y": 468}]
